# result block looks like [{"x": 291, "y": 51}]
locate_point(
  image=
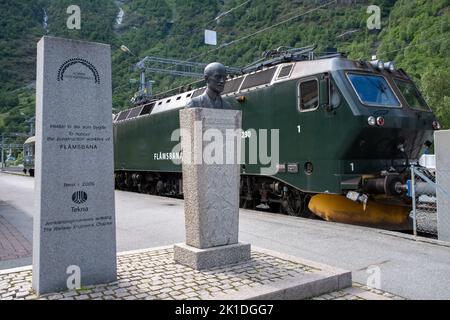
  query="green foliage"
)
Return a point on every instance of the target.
[
  {"x": 97, "y": 19},
  {"x": 436, "y": 85},
  {"x": 8, "y": 100},
  {"x": 19, "y": 159}
]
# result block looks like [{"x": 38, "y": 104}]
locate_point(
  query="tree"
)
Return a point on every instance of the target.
[{"x": 7, "y": 101}]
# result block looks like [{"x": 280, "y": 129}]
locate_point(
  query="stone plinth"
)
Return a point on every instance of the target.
[
  {"x": 74, "y": 240},
  {"x": 200, "y": 259},
  {"x": 442, "y": 150},
  {"x": 211, "y": 159}
]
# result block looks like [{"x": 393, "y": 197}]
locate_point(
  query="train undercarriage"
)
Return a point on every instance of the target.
[{"x": 381, "y": 209}]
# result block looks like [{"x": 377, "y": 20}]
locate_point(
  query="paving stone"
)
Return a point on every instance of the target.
[
  {"x": 178, "y": 282},
  {"x": 96, "y": 295},
  {"x": 162, "y": 296},
  {"x": 122, "y": 294}
]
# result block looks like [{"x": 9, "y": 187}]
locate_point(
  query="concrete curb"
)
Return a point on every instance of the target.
[
  {"x": 20, "y": 174},
  {"x": 297, "y": 288},
  {"x": 18, "y": 269},
  {"x": 325, "y": 280},
  {"x": 353, "y": 227},
  {"x": 137, "y": 251}
]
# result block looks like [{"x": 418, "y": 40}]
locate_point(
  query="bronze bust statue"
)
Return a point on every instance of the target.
[{"x": 215, "y": 76}]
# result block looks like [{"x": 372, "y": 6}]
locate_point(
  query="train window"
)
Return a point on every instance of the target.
[
  {"x": 123, "y": 115},
  {"x": 134, "y": 112},
  {"x": 308, "y": 92},
  {"x": 412, "y": 95},
  {"x": 147, "y": 109},
  {"x": 373, "y": 90},
  {"x": 285, "y": 71},
  {"x": 232, "y": 85},
  {"x": 259, "y": 78}
]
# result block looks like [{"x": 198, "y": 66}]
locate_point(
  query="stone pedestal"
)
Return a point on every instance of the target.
[
  {"x": 211, "y": 159},
  {"x": 442, "y": 150},
  {"x": 74, "y": 236}
]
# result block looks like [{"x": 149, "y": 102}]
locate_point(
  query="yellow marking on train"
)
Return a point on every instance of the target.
[{"x": 338, "y": 208}]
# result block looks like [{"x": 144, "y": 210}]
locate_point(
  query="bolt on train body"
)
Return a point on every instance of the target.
[{"x": 347, "y": 133}]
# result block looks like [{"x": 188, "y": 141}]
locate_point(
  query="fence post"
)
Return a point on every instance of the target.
[
  {"x": 413, "y": 195},
  {"x": 3, "y": 150}
]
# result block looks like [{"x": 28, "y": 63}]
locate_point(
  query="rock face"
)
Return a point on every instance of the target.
[
  {"x": 74, "y": 236},
  {"x": 211, "y": 161}
]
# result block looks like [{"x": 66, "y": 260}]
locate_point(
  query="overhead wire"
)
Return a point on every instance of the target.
[
  {"x": 263, "y": 30},
  {"x": 220, "y": 16},
  {"x": 258, "y": 32},
  {"x": 415, "y": 45},
  {"x": 205, "y": 26}
]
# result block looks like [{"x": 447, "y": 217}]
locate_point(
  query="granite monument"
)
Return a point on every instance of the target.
[
  {"x": 74, "y": 240},
  {"x": 211, "y": 188}
]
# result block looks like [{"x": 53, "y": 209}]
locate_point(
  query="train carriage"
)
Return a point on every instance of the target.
[{"x": 28, "y": 156}]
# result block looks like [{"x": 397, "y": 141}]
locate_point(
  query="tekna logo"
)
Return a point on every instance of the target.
[
  {"x": 63, "y": 70},
  {"x": 79, "y": 197}
]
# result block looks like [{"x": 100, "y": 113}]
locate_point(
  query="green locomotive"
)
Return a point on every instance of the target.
[{"x": 347, "y": 131}]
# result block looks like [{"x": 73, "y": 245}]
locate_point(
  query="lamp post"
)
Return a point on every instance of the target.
[
  {"x": 30, "y": 121},
  {"x": 145, "y": 87}
]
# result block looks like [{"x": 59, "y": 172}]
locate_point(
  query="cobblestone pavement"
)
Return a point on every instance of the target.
[
  {"x": 153, "y": 274},
  {"x": 13, "y": 245}
]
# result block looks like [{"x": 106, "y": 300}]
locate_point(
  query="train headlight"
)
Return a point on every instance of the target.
[
  {"x": 378, "y": 64},
  {"x": 389, "y": 66},
  {"x": 241, "y": 99},
  {"x": 372, "y": 121},
  {"x": 380, "y": 121},
  {"x": 436, "y": 125}
]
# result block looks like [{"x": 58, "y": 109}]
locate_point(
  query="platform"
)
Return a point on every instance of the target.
[{"x": 413, "y": 268}]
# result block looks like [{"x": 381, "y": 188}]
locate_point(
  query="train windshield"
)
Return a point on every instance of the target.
[
  {"x": 412, "y": 95},
  {"x": 373, "y": 90}
]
